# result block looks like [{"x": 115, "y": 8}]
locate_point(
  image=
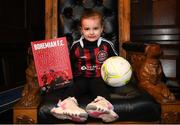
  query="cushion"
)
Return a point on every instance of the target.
[{"x": 130, "y": 103}]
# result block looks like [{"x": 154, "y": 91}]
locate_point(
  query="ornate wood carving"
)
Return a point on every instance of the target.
[
  {"x": 24, "y": 119},
  {"x": 30, "y": 92},
  {"x": 170, "y": 112},
  {"x": 170, "y": 117},
  {"x": 150, "y": 72}
]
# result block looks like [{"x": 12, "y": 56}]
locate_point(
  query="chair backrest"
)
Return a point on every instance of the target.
[
  {"x": 70, "y": 11},
  {"x": 62, "y": 18}
]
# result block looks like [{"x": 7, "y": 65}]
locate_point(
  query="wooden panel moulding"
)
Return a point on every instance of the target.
[
  {"x": 51, "y": 25},
  {"x": 124, "y": 23}
]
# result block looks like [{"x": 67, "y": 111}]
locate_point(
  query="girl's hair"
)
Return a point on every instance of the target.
[{"x": 91, "y": 13}]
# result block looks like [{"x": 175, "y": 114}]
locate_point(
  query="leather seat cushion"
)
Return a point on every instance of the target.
[{"x": 130, "y": 103}]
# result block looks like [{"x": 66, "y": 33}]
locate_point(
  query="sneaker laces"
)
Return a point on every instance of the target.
[
  {"x": 102, "y": 100},
  {"x": 61, "y": 103},
  {"x": 68, "y": 109},
  {"x": 101, "y": 108}
]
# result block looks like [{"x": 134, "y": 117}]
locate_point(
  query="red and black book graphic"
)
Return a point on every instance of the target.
[{"x": 52, "y": 63}]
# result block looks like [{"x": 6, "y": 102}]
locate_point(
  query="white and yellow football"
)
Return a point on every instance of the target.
[{"x": 116, "y": 71}]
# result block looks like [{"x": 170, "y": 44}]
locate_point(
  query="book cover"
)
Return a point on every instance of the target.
[{"x": 52, "y": 63}]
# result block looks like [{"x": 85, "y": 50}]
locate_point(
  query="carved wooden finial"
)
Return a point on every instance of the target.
[
  {"x": 30, "y": 92},
  {"x": 150, "y": 75}
]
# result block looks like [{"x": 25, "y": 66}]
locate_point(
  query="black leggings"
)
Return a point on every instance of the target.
[{"x": 91, "y": 86}]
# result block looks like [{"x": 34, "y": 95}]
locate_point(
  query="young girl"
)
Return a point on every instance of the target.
[{"x": 87, "y": 55}]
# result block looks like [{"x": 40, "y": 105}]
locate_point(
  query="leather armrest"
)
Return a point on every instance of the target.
[{"x": 134, "y": 46}]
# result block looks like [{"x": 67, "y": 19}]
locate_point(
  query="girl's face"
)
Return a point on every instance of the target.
[{"x": 91, "y": 28}]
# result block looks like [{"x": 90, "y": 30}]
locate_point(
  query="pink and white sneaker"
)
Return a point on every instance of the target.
[
  {"x": 68, "y": 109},
  {"x": 101, "y": 108}
]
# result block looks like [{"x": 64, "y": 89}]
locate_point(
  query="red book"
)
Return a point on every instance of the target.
[{"x": 52, "y": 63}]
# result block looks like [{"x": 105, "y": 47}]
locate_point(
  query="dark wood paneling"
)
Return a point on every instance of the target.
[
  {"x": 13, "y": 14},
  {"x": 21, "y": 21},
  {"x": 164, "y": 12},
  {"x": 156, "y": 34},
  {"x": 13, "y": 42}
]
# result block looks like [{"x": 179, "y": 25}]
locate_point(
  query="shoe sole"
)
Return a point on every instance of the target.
[
  {"x": 76, "y": 118},
  {"x": 95, "y": 112},
  {"x": 105, "y": 115}
]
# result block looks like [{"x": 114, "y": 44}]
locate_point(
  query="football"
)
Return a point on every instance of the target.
[{"x": 116, "y": 71}]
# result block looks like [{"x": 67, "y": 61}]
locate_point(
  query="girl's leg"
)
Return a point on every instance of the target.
[
  {"x": 77, "y": 88},
  {"x": 98, "y": 87}
]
